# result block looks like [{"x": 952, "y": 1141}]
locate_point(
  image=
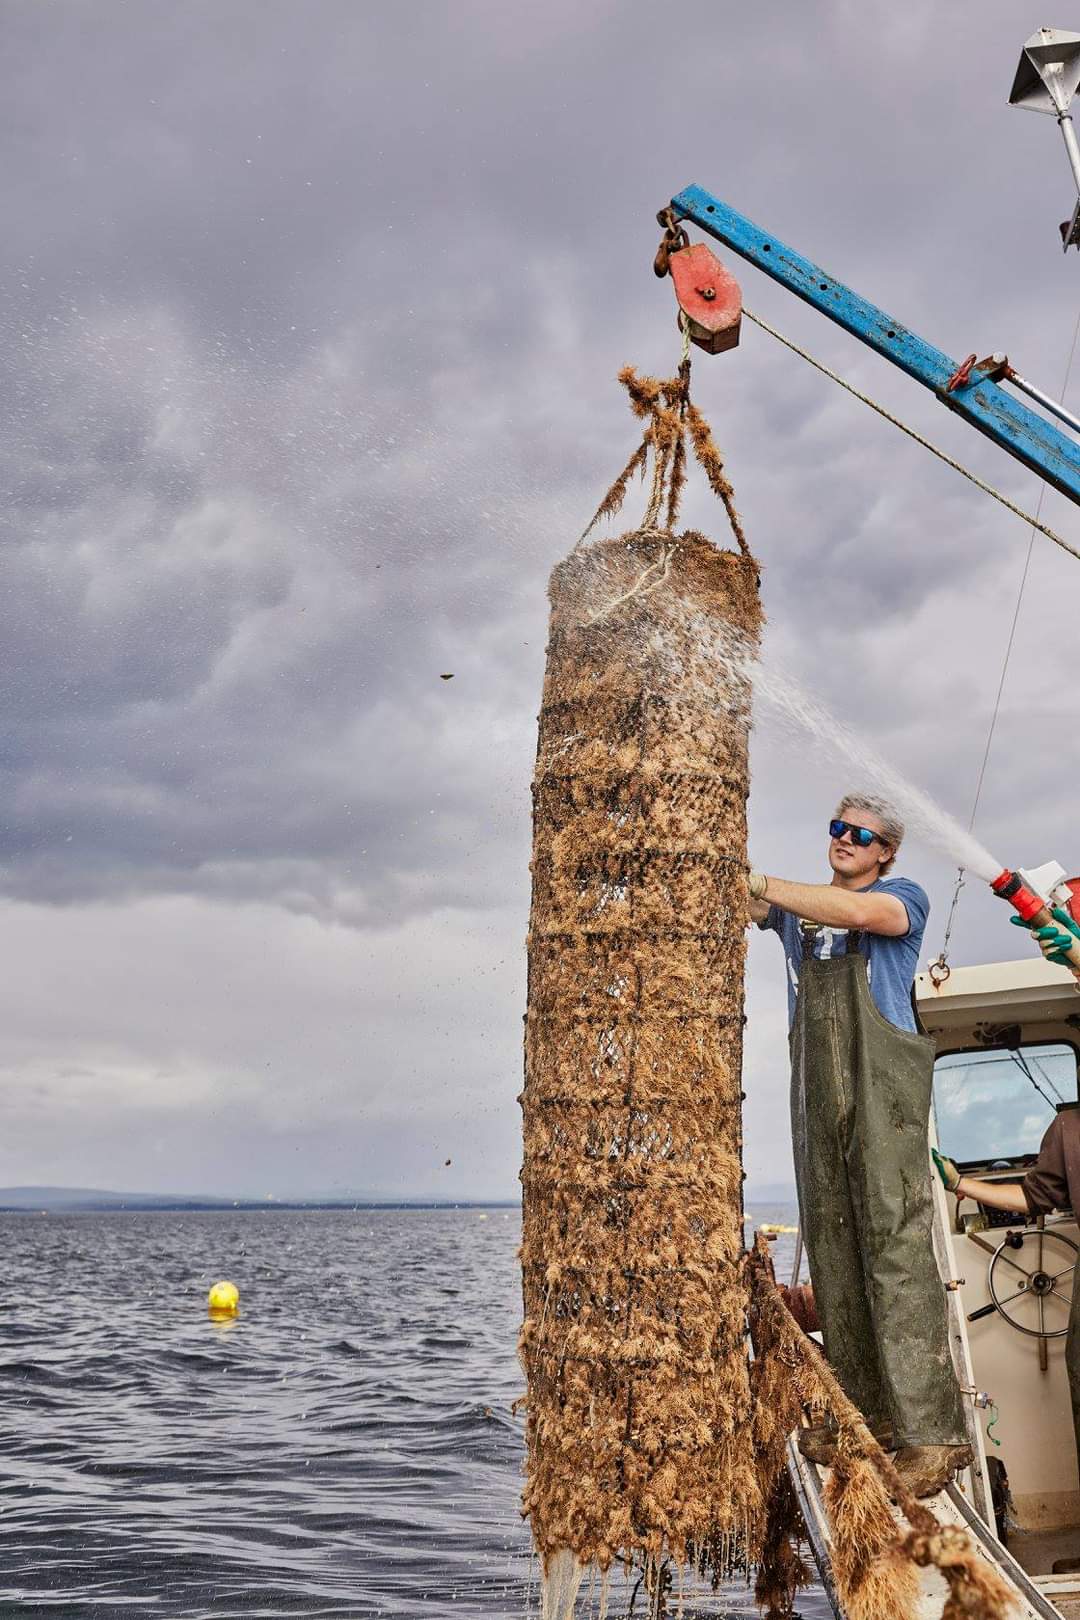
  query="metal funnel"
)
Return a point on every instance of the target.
[
  {"x": 1046, "y": 82},
  {"x": 1049, "y": 72}
]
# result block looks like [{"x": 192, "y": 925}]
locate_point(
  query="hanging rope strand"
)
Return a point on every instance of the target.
[
  {"x": 942, "y": 961},
  {"x": 987, "y": 489},
  {"x": 961, "y": 874},
  {"x": 678, "y": 460}
]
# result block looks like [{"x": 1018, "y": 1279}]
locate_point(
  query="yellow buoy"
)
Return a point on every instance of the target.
[{"x": 223, "y": 1299}]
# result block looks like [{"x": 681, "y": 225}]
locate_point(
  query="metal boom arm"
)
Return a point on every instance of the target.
[{"x": 984, "y": 403}]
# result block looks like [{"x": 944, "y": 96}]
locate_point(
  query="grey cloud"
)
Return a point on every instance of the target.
[{"x": 310, "y": 321}]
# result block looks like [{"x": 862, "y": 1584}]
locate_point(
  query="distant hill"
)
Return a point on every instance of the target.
[
  {"x": 87, "y": 1200},
  {"x": 72, "y": 1198},
  {"x": 80, "y": 1200}
]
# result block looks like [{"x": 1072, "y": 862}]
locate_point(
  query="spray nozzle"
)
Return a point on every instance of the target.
[
  {"x": 1036, "y": 909},
  {"x": 1047, "y": 884},
  {"x": 1024, "y": 901}
]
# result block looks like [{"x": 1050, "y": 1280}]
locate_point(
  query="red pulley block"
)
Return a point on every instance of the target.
[{"x": 709, "y": 297}]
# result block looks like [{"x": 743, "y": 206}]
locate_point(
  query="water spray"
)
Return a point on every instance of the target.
[{"x": 1032, "y": 894}]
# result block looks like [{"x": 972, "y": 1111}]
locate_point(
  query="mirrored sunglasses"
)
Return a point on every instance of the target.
[{"x": 862, "y": 836}]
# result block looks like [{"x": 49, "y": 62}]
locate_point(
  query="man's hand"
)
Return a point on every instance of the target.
[
  {"x": 950, "y": 1175},
  {"x": 1055, "y": 940},
  {"x": 756, "y": 884}
]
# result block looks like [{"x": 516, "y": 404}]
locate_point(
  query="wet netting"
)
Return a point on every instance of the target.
[
  {"x": 639, "y": 1441},
  {"x": 654, "y": 1438},
  {"x": 876, "y": 1555}
]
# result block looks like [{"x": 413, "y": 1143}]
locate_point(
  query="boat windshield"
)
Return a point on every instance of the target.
[{"x": 996, "y": 1105}]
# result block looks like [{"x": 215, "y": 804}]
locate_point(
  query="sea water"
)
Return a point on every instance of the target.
[{"x": 347, "y": 1447}]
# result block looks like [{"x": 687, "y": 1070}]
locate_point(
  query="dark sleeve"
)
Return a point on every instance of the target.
[
  {"x": 772, "y": 920},
  {"x": 1046, "y": 1187}
]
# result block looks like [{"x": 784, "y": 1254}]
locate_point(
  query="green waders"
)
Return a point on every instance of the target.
[{"x": 860, "y": 1105}]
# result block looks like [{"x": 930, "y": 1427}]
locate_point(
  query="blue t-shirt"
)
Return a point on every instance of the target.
[{"x": 892, "y": 960}]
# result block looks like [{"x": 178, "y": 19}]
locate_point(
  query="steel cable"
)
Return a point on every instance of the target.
[
  {"x": 988, "y": 489},
  {"x": 943, "y": 958}
]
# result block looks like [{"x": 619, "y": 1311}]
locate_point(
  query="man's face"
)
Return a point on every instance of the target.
[{"x": 848, "y": 858}]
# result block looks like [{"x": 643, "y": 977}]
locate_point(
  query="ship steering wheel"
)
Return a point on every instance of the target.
[{"x": 1030, "y": 1278}]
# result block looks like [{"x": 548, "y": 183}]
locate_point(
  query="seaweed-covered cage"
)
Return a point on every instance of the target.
[{"x": 633, "y": 1341}]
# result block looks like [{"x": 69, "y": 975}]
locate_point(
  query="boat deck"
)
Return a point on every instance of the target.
[
  {"x": 1036, "y": 1550},
  {"x": 1025, "y": 1565}
]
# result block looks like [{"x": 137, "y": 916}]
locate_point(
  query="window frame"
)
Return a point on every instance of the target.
[{"x": 1015, "y": 1161}]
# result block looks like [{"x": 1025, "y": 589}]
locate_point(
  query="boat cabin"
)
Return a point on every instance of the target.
[{"x": 1008, "y": 1044}]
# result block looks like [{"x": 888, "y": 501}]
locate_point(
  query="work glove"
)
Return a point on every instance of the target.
[
  {"x": 756, "y": 882},
  {"x": 950, "y": 1175},
  {"x": 1055, "y": 940}
]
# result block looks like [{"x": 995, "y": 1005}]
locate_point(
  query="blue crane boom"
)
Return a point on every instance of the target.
[{"x": 968, "y": 390}]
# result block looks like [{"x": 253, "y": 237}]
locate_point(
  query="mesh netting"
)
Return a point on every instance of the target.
[
  {"x": 633, "y": 1342},
  {"x": 875, "y": 1561}
]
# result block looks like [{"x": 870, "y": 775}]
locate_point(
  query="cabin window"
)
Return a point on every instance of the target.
[{"x": 995, "y": 1104}]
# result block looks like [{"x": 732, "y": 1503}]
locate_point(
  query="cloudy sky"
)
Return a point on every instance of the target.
[{"x": 311, "y": 314}]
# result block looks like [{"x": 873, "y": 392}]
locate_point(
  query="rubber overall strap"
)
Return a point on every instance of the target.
[{"x": 809, "y": 932}]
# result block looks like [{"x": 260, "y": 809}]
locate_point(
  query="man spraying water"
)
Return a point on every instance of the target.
[{"x": 861, "y": 1076}]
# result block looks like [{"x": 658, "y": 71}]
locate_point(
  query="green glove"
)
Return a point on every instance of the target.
[
  {"x": 1061, "y": 916},
  {"x": 950, "y": 1175},
  {"x": 1054, "y": 942}
]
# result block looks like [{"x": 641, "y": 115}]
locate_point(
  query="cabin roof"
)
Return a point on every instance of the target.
[{"x": 1030, "y": 991}]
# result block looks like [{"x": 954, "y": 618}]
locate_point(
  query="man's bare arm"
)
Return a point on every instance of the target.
[
  {"x": 835, "y": 907},
  {"x": 759, "y": 910},
  {"x": 1008, "y": 1195},
  {"x": 998, "y": 1194}
]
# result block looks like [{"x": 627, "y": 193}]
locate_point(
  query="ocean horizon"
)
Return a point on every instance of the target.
[{"x": 75, "y": 1200}]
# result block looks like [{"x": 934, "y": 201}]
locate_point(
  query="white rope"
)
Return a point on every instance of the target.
[
  {"x": 987, "y": 489},
  {"x": 643, "y": 584},
  {"x": 684, "y": 323}
]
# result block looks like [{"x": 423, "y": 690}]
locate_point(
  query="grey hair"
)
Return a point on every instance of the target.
[{"x": 892, "y": 828}]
